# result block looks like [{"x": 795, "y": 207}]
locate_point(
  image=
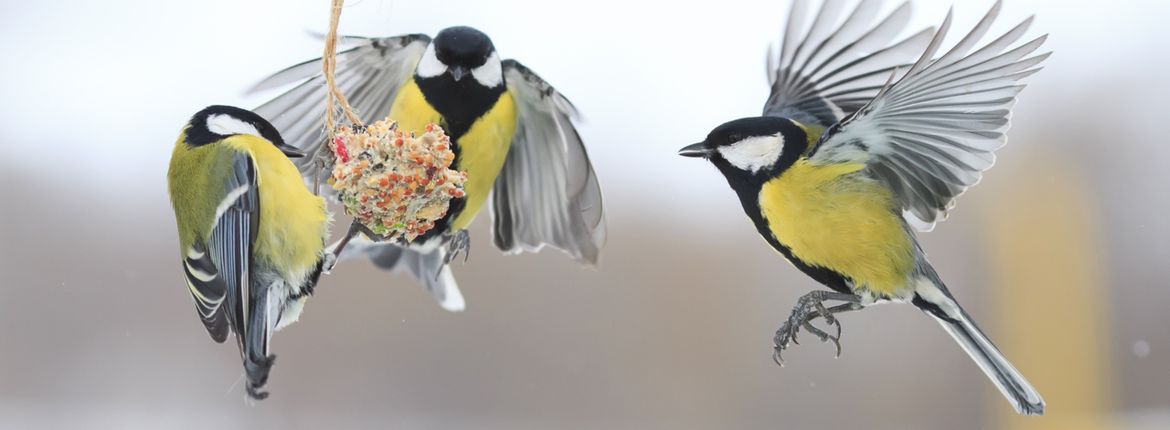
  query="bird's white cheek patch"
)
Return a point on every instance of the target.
[
  {"x": 490, "y": 74},
  {"x": 430, "y": 66},
  {"x": 754, "y": 153},
  {"x": 227, "y": 125}
]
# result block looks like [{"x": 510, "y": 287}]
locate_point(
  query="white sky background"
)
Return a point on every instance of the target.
[
  {"x": 96, "y": 92},
  {"x": 111, "y": 83}
]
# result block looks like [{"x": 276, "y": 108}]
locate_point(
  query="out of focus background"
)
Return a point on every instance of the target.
[{"x": 1061, "y": 253}]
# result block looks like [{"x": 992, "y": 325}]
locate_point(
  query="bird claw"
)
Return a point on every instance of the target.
[
  {"x": 810, "y": 307},
  {"x": 825, "y": 337},
  {"x": 329, "y": 263},
  {"x": 786, "y": 334},
  {"x": 458, "y": 242},
  {"x": 776, "y": 356},
  {"x": 824, "y": 313}
]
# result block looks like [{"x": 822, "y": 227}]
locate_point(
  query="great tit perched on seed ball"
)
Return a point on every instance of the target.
[
  {"x": 251, "y": 235},
  {"x": 857, "y": 149},
  {"x": 511, "y": 131}
]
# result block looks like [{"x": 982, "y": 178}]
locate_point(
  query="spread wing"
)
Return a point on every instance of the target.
[
  {"x": 931, "y": 134},
  {"x": 218, "y": 271},
  {"x": 369, "y": 74},
  {"x": 547, "y": 192},
  {"x": 831, "y": 69}
]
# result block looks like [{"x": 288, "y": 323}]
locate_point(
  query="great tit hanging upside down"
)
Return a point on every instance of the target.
[{"x": 251, "y": 235}]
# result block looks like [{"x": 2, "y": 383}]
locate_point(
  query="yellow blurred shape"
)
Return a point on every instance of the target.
[{"x": 1049, "y": 298}]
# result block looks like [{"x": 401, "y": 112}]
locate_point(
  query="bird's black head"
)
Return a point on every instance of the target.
[
  {"x": 215, "y": 123},
  {"x": 752, "y": 150},
  {"x": 462, "y": 51},
  {"x": 463, "y": 46}
]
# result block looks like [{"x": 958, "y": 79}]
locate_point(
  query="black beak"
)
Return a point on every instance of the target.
[
  {"x": 698, "y": 150},
  {"x": 458, "y": 72},
  {"x": 289, "y": 150}
]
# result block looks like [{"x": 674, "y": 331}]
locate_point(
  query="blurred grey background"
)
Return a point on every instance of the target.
[{"x": 1060, "y": 253}]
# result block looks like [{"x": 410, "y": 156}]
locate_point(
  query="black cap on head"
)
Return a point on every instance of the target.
[
  {"x": 784, "y": 142},
  {"x": 740, "y": 129},
  {"x": 214, "y": 123},
  {"x": 463, "y": 46}
]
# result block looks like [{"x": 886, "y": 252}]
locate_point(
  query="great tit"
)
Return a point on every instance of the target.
[
  {"x": 510, "y": 130},
  {"x": 251, "y": 235},
  {"x": 855, "y": 152}
]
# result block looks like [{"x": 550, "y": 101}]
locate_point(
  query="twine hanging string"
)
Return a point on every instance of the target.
[
  {"x": 334, "y": 95},
  {"x": 328, "y": 67},
  {"x": 389, "y": 208}
]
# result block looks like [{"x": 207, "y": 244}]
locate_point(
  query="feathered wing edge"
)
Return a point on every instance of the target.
[
  {"x": 369, "y": 74},
  {"x": 832, "y": 70},
  {"x": 547, "y": 192},
  {"x": 931, "y": 133}
]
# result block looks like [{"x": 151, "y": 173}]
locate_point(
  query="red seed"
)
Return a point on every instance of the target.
[{"x": 340, "y": 151}]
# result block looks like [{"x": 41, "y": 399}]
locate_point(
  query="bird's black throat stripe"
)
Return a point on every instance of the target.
[{"x": 460, "y": 103}]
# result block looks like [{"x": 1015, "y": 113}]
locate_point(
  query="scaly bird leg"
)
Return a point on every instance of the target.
[
  {"x": 321, "y": 163},
  {"x": 809, "y": 307},
  {"x": 331, "y": 256},
  {"x": 457, "y": 242}
]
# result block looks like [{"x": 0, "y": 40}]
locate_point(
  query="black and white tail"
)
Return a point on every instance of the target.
[
  {"x": 261, "y": 316},
  {"x": 934, "y": 299}
]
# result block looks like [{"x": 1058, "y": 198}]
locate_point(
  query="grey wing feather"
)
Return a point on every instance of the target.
[
  {"x": 249, "y": 309},
  {"x": 932, "y": 133},
  {"x": 837, "y": 65},
  {"x": 208, "y": 289},
  {"x": 369, "y": 74},
  {"x": 547, "y": 192},
  {"x": 230, "y": 244}
]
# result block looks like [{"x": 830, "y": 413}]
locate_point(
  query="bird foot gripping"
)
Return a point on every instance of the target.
[
  {"x": 809, "y": 307},
  {"x": 331, "y": 257},
  {"x": 330, "y": 261},
  {"x": 457, "y": 242}
]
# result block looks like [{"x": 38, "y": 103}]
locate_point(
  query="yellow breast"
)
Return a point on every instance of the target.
[
  {"x": 831, "y": 217},
  {"x": 482, "y": 150},
  {"x": 293, "y": 222}
]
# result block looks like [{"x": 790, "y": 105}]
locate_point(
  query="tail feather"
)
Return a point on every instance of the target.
[
  {"x": 427, "y": 266},
  {"x": 938, "y": 303},
  {"x": 262, "y": 316}
]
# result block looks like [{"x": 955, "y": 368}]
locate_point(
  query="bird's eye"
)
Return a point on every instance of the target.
[{"x": 734, "y": 137}]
